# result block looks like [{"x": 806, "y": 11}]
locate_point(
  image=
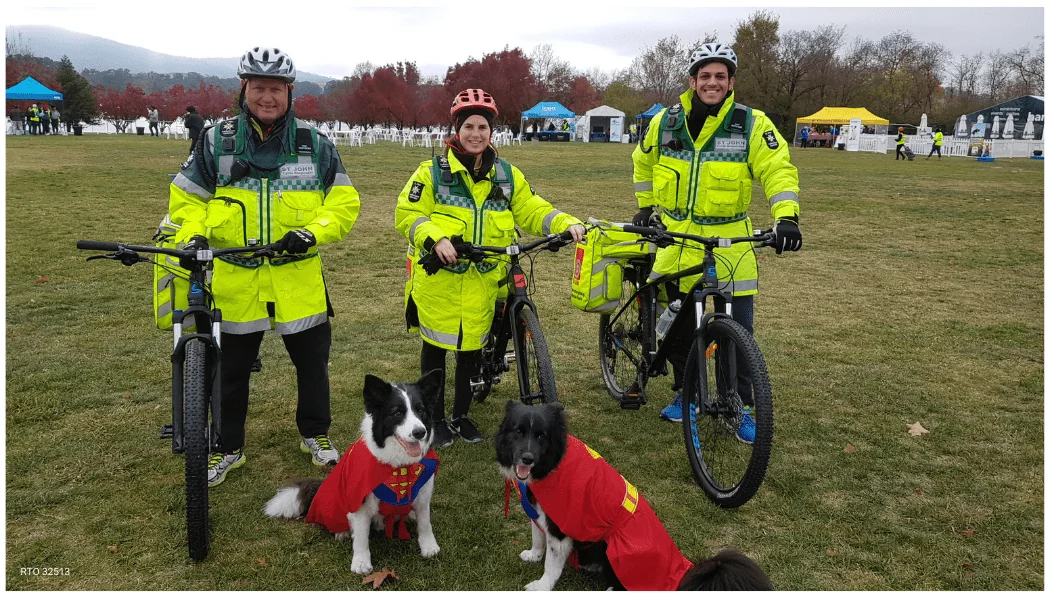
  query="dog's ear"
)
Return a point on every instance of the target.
[
  {"x": 376, "y": 390},
  {"x": 510, "y": 406},
  {"x": 557, "y": 416},
  {"x": 431, "y": 382}
]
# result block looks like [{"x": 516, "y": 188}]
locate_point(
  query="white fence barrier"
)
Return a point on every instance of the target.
[{"x": 951, "y": 146}]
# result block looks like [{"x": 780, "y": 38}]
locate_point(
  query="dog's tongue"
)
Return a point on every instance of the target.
[
  {"x": 523, "y": 471},
  {"x": 412, "y": 448}
]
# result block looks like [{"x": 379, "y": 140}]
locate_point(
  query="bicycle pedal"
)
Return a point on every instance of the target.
[
  {"x": 633, "y": 401},
  {"x": 167, "y": 432}
]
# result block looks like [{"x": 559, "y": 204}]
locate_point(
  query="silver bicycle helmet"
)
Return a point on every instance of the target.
[
  {"x": 713, "y": 52},
  {"x": 268, "y": 62}
]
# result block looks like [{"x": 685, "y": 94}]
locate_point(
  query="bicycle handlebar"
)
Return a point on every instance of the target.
[
  {"x": 123, "y": 248},
  {"x": 469, "y": 250},
  {"x": 659, "y": 236}
]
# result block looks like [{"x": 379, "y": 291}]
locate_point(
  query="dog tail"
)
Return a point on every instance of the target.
[
  {"x": 727, "y": 570},
  {"x": 293, "y": 500}
]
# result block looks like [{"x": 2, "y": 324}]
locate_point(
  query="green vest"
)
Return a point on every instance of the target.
[
  {"x": 714, "y": 186},
  {"x": 262, "y": 201},
  {"x": 449, "y": 189}
]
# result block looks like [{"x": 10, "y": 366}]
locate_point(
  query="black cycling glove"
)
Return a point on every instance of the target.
[
  {"x": 643, "y": 218},
  {"x": 297, "y": 241},
  {"x": 787, "y": 236},
  {"x": 197, "y": 242}
]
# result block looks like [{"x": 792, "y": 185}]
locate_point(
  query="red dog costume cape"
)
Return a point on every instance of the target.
[
  {"x": 359, "y": 473},
  {"x": 590, "y": 501}
]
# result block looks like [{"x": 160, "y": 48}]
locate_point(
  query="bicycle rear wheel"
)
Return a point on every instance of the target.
[
  {"x": 724, "y": 367},
  {"x": 541, "y": 385},
  {"x": 622, "y": 337},
  {"x": 196, "y": 447}
]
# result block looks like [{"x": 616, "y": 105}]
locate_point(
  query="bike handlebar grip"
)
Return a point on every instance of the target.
[
  {"x": 639, "y": 230},
  {"x": 102, "y": 246}
]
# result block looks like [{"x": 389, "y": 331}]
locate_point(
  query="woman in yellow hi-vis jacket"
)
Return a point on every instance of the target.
[
  {"x": 696, "y": 164},
  {"x": 470, "y": 193}
]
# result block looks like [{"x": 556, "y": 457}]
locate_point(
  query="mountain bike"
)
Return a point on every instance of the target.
[
  {"x": 725, "y": 377},
  {"x": 195, "y": 372},
  {"x": 516, "y": 335}
]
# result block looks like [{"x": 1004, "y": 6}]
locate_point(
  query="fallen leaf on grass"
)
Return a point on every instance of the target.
[
  {"x": 378, "y": 578},
  {"x": 126, "y": 395},
  {"x": 918, "y": 492},
  {"x": 261, "y": 562},
  {"x": 849, "y": 449},
  {"x": 39, "y": 279},
  {"x": 112, "y": 548},
  {"x": 916, "y": 429},
  {"x": 830, "y": 553},
  {"x": 967, "y": 532}
]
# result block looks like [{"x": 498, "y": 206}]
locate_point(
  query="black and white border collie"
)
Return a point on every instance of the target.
[
  {"x": 530, "y": 445},
  {"x": 397, "y": 432}
]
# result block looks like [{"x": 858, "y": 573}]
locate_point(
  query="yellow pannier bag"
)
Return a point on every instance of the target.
[
  {"x": 170, "y": 281},
  {"x": 596, "y": 286}
]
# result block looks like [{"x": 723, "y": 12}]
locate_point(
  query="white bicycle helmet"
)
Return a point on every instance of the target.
[
  {"x": 713, "y": 52},
  {"x": 268, "y": 62}
]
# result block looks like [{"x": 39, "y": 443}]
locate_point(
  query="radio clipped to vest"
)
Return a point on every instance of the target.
[{"x": 596, "y": 286}]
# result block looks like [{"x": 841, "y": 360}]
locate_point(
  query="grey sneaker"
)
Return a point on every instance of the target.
[
  {"x": 323, "y": 451},
  {"x": 220, "y": 464}
]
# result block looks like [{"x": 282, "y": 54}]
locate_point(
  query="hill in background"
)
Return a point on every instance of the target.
[{"x": 89, "y": 52}]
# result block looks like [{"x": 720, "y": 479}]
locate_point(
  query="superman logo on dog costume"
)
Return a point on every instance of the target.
[
  {"x": 358, "y": 474},
  {"x": 590, "y": 501}
]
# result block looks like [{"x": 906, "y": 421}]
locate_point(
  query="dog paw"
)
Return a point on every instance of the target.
[
  {"x": 361, "y": 566},
  {"x": 429, "y": 547},
  {"x": 532, "y": 556},
  {"x": 340, "y": 536},
  {"x": 537, "y": 586}
]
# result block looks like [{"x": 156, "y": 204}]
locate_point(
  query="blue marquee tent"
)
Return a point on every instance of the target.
[
  {"x": 650, "y": 113},
  {"x": 548, "y": 109},
  {"x": 30, "y": 89}
]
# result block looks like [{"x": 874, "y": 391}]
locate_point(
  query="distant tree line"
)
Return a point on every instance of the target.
[{"x": 788, "y": 74}]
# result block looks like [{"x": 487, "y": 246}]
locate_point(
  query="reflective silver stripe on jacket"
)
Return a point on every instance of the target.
[
  {"x": 449, "y": 340},
  {"x": 301, "y": 324},
  {"x": 246, "y": 327},
  {"x": 414, "y": 226},
  {"x": 784, "y": 196},
  {"x": 342, "y": 179},
  {"x": 739, "y": 286},
  {"x": 187, "y": 185},
  {"x": 644, "y": 186},
  {"x": 547, "y": 222}
]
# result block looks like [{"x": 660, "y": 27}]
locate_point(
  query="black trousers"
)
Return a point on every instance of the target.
[
  {"x": 899, "y": 152},
  {"x": 468, "y": 366},
  {"x": 154, "y": 129},
  {"x": 309, "y": 351},
  {"x": 936, "y": 149}
]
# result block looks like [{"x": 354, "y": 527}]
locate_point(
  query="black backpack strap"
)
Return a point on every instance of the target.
[
  {"x": 671, "y": 122},
  {"x": 304, "y": 141}
]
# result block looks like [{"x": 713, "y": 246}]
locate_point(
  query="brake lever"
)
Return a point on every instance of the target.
[{"x": 663, "y": 241}]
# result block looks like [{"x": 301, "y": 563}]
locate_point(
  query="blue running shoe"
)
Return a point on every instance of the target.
[
  {"x": 674, "y": 412},
  {"x": 747, "y": 428}
]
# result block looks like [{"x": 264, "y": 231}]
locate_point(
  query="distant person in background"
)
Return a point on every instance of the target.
[
  {"x": 56, "y": 121},
  {"x": 900, "y": 145},
  {"x": 154, "y": 121},
  {"x": 45, "y": 120},
  {"x": 17, "y": 121},
  {"x": 34, "y": 120},
  {"x": 937, "y": 147},
  {"x": 193, "y": 125},
  {"x": 804, "y": 133}
]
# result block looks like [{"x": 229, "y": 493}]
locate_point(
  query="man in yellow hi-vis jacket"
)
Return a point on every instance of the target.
[
  {"x": 696, "y": 165},
  {"x": 266, "y": 177}
]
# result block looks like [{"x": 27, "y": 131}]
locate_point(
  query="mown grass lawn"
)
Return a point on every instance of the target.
[{"x": 917, "y": 297}]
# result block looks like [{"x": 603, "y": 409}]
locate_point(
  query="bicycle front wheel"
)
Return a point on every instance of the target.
[
  {"x": 622, "y": 337},
  {"x": 541, "y": 385},
  {"x": 728, "y": 416},
  {"x": 196, "y": 447}
]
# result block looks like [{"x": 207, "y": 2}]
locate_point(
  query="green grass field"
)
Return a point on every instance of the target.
[{"x": 917, "y": 297}]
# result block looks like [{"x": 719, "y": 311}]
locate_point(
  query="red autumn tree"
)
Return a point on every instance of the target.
[
  {"x": 506, "y": 75},
  {"x": 307, "y": 107},
  {"x": 122, "y": 107},
  {"x": 582, "y": 96}
]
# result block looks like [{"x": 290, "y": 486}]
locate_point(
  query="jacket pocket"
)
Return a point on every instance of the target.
[
  {"x": 294, "y": 210},
  {"x": 451, "y": 224},
  {"x": 224, "y": 221},
  {"x": 721, "y": 189},
  {"x": 499, "y": 227},
  {"x": 666, "y": 182}
]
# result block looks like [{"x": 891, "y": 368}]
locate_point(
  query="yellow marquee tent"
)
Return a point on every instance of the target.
[{"x": 842, "y": 115}]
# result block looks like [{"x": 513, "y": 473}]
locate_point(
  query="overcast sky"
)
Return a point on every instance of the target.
[{"x": 330, "y": 39}]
